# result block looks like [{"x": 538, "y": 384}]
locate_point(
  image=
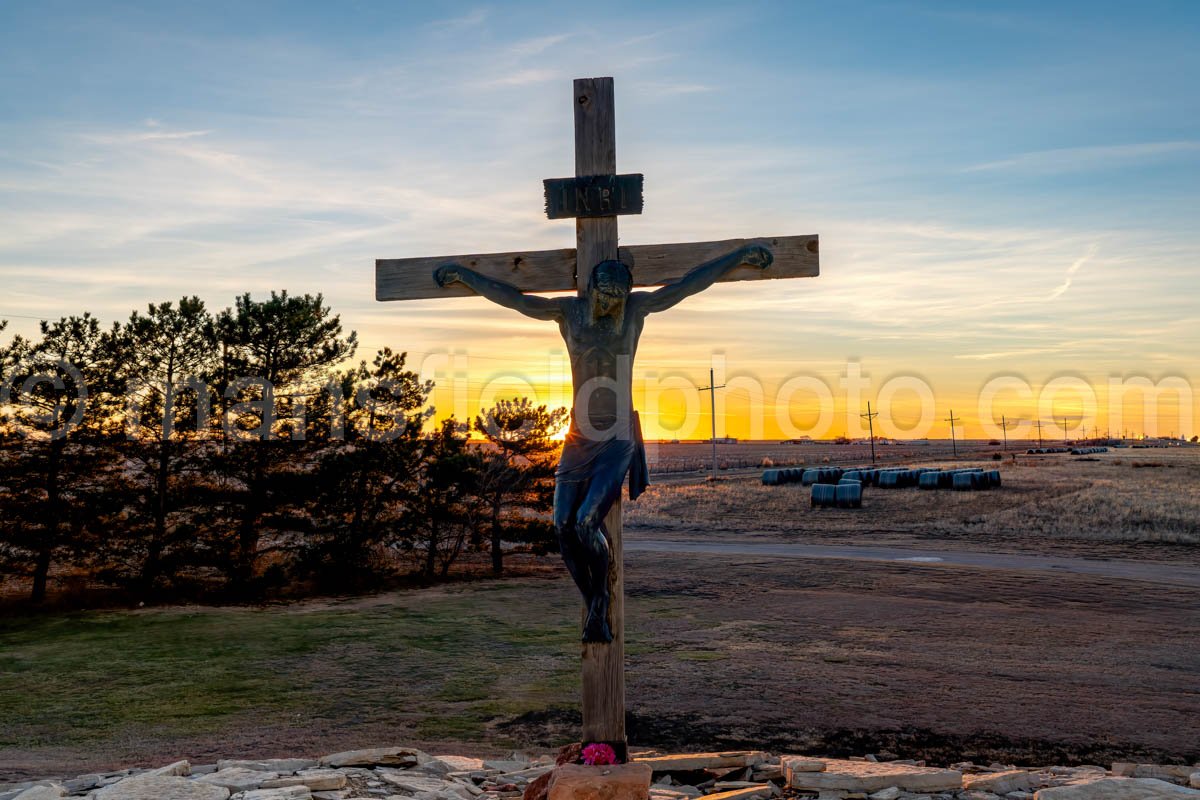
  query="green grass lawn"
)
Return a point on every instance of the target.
[{"x": 469, "y": 653}]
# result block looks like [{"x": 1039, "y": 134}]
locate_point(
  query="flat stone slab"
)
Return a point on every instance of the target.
[
  {"x": 237, "y": 779},
  {"x": 161, "y": 787},
  {"x": 867, "y": 776},
  {"x": 51, "y": 792},
  {"x": 282, "y": 793},
  {"x": 416, "y": 783},
  {"x": 461, "y": 763},
  {"x": 316, "y": 780},
  {"x": 1014, "y": 780},
  {"x": 280, "y": 765},
  {"x": 1119, "y": 789},
  {"x": 762, "y": 790},
  {"x": 688, "y": 762},
  {"x": 374, "y": 757},
  {"x": 790, "y": 764},
  {"x": 615, "y": 782}
]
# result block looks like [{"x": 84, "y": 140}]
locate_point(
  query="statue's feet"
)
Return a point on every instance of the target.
[{"x": 596, "y": 630}]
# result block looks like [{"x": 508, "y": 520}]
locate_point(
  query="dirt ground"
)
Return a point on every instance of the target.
[
  {"x": 822, "y": 657},
  {"x": 825, "y": 657}
]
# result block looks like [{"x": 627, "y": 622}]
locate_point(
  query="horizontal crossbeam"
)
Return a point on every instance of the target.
[{"x": 554, "y": 270}]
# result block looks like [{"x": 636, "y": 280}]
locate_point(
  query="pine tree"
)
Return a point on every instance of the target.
[{"x": 518, "y": 467}]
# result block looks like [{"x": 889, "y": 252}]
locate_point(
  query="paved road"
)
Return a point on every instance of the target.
[{"x": 1152, "y": 572}]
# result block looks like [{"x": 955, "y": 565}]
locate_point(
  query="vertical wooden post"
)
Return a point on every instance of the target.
[{"x": 596, "y": 241}]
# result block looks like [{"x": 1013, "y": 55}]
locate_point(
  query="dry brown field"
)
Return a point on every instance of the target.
[{"x": 1123, "y": 503}]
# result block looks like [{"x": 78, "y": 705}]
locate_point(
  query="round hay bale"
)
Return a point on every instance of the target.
[
  {"x": 849, "y": 495},
  {"x": 929, "y": 480},
  {"x": 771, "y": 477},
  {"x": 824, "y": 495},
  {"x": 963, "y": 482},
  {"x": 809, "y": 477},
  {"x": 994, "y": 478}
]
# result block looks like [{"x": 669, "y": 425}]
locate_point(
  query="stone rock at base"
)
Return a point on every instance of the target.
[
  {"x": 1164, "y": 772},
  {"x": 416, "y": 783},
  {"x": 82, "y": 783},
  {"x": 1119, "y": 789},
  {"x": 537, "y": 788},
  {"x": 790, "y": 764},
  {"x": 461, "y": 763},
  {"x": 237, "y": 779},
  {"x": 48, "y": 792},
  {"x": 1194, "y": 780},
  {"x": 505, "y": 765},
  {"x": 615, "y": 782},
  {"x": 890, "y": 793},
  {"x": 866, "y": 776},
  {"x": 316, "y": 780},
  {"x": 280, "y": 765},
  {"x": 279, "y": 793},
  {"x": 977, "y": 794},
  {"x": 762, "y": 790},
  {"x": 161, "y": 787},
  {"x": 1014, "y": 780},
  {"x": 689, "y": 762},
  {"x": 180, "y": 768},
  {"x": 375, "y": 757}
]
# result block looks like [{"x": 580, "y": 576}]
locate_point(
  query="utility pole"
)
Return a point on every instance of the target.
[
  {"x": 1064, "y": 427},
  {"x": 1004, "y": 425},
  {"x": 1039, "y": 427},
  {"x": 712, "y": 387},
  {"x": 952, "y": 419},
  {"x": 870, "y": 418}
]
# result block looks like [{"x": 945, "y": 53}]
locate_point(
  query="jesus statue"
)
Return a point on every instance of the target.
[{"x": 601, "y": 328}]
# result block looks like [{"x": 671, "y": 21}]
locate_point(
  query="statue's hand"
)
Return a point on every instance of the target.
[
  {"x": 447, "y": 274},
  {"x": 757, "y": 256}
]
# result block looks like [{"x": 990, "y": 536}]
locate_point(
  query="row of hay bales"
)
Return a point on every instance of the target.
[
  {"x": 1087, "y": 451},
  {"x": 960, "y": 480},
  {"x": 1041, "y": 451}
]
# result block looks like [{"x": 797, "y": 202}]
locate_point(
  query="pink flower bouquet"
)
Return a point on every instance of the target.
[{"x": 599, "y": 755}]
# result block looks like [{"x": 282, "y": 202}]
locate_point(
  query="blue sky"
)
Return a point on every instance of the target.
[{"x": 1003, "y": 188}]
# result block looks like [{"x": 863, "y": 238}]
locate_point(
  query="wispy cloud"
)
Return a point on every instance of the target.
[
  {"x": 134, "y": 137},
  {"x": 665, "y": 88},
  {"x": 472, "y": 19},
  {"x": 1066, "y": 159},
  {"x": 521, "y": 77},
  {"x": 1076, "y": 265},
  {"x": 539, "y": 44}
]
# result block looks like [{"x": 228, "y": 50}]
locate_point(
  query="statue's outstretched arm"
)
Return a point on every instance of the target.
[
  {"x": 704, "y": 276},
  {"x": 499, "y": 292}
]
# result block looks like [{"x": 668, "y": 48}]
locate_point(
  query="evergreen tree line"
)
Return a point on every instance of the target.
[{"x": 234, "y": 455}]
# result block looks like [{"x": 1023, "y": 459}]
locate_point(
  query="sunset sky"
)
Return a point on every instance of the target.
[{"x": 1004, "y": 190}]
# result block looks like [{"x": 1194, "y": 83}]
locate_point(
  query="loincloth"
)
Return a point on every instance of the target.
[{"x": 584, "y": 457}]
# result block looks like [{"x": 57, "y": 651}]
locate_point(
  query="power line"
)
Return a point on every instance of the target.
[{"x": 712, "y": 387}]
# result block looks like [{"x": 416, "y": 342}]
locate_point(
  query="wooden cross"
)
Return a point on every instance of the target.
[{"x": 594, "y": 198}]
